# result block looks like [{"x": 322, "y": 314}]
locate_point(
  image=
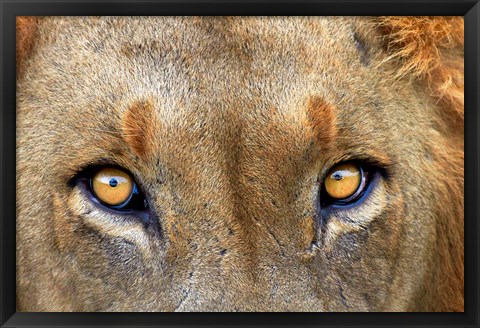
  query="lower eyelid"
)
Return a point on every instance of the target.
[
  {"x": 338, "y": 222},
  {"x": 128, "y": 228}
]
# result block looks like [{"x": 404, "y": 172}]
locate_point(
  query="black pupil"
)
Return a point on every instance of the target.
[
  {"x": 113, "y": 182},
  {"x": 337, "y": 176}
]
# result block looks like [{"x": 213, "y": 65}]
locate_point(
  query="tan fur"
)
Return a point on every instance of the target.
[
  {"x": 229, "y": 125},
  {"x": 25, "y": 34}
]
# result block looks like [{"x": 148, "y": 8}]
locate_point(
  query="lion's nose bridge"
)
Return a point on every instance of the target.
[
  {"x": 210, "y": 238},
  {"x": 230, "y": 213}
]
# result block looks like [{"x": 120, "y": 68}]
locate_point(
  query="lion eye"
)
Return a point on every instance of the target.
[
  {"x": 345, "y": 183},
  {"x": 113, "y": 187}
]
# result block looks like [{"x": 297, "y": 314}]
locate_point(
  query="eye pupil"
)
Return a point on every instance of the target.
[
  {"x": 337, "y": 176},
  {"x": 113, "y": 182}
]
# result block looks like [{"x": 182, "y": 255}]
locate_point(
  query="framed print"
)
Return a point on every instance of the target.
[{"x": 270, "y": 163}]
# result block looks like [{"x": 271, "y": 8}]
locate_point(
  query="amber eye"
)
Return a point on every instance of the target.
[
  {"x": 112, "y": 186},
  {"x": 345, "y": 182}
]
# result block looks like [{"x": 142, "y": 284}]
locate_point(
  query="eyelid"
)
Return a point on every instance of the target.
[
  {"x": 128, "y": 227},
  {"x": 338, "y": 220}
]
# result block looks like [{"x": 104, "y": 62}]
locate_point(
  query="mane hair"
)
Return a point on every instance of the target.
[{"x": 432, "y": 49}]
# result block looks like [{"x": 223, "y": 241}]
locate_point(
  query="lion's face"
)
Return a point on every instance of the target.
[{"x": 229, "y": 127}]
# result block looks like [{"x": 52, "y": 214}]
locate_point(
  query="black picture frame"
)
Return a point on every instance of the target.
[{"x": 10, "y": 9}]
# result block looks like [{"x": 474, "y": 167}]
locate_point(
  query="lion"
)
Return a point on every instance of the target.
[{"x": 240, "y": 164}]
